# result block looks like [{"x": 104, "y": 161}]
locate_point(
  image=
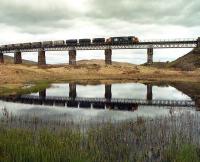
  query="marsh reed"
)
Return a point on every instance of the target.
[{"x": 170, "y": 138}]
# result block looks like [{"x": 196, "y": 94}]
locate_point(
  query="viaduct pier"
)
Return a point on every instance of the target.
[{"x": 18, "y": 49}]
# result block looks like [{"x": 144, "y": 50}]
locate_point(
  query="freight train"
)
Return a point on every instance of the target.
[{"x": 72, "y": 42}]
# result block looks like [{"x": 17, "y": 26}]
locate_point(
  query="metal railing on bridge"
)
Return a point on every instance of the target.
[{"x": 170, "y": 40}]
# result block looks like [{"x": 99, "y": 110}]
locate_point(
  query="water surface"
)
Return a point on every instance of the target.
[{"x": 47, "y": 104}]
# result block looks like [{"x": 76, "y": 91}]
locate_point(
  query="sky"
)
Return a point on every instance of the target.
[{"x": 38, "y": 20}]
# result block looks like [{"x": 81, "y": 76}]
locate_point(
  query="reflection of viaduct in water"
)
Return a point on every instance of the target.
[
  {"x": 149, "y": 92},
  {"x": 108, "y": 92},
  {"x": 197, "y": 103},
  {"x": 106, "y": 102}
]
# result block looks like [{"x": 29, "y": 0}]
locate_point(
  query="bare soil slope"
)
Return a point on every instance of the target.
[
  {"x": 190, "y": 60},
  {"x": 90, "y": 70}
]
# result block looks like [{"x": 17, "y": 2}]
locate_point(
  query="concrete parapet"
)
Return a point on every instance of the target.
[
  {"x": 42, "y": 94},
  {"x": 1, "y": 58},
  {"x": 72, "y": 57},
  {"x": 149, "y": 92},
  {"x": 17, "y": 57},
  {"x": 197, "y": 104},
  {"x": 198, "y": 42},
  {"x": 72, "y": 90},
  {"x": 108, "y": 56},
  {"x": 41, "y": 57},
  {"x": 150, "y": 56},
  {"x": 108, "y": 92}
]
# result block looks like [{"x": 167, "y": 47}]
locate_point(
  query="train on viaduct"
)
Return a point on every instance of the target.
[{"x": 112, "y": 43}]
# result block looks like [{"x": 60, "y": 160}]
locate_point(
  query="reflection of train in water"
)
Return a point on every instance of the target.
[{"x": 72, "y": 42}]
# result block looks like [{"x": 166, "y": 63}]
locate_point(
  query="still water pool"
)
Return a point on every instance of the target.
[{"x": 70, "y": 101}]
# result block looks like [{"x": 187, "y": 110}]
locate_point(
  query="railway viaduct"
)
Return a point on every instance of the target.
[{"x": 148, "y": 45}]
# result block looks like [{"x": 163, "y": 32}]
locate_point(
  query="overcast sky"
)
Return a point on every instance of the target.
[{"x": 37, "y": 20}]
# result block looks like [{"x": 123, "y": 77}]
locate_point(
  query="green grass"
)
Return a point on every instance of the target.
[
  {"x": 186, "y": 153},
  {"x": 173, "y": 139},
  {"x": 45, "y": 146},
  {"x": 37, "y": 86}
]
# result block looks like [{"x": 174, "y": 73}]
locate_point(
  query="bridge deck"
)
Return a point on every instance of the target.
[{"x": 184, "y": 43}]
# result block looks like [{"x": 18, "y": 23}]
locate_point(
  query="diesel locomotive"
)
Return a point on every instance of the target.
[
  {"x": 122, "y": 40},
  {"x": 72, "y": 42}
]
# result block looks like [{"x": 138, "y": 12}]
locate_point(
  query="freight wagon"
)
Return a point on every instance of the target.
[
  {"x": 36, "y": 45},
  {"x": 71, "y": 42},
  {"x": 84, "y": 41},
  {"x": 26, "y": 45},
  {"x": 58, "y": 43},
  {"x": 98, "y": 40},
  {"x": 3, "y": 47},
  {"x": 47, "y": 44}
]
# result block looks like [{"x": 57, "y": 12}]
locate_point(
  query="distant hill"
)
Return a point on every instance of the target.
[{"x": 9, "y": 59}]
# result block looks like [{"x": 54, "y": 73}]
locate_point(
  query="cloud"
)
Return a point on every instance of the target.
[
  {"x": 44, "y": 16},
  {"x": 37, "y": 16},
  {"x": 179, "y": 12}
]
